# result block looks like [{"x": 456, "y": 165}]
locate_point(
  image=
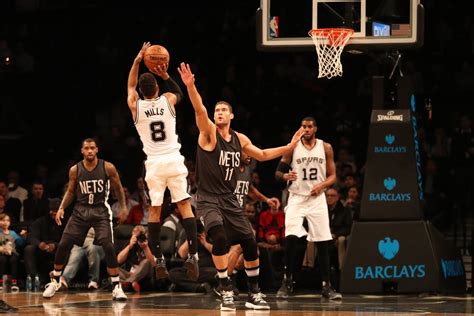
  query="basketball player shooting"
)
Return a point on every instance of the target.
[{"x": 154, "y": 117}]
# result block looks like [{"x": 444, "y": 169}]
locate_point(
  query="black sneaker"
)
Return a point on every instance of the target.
[
  {"x": 6, "y": 308},
  {"x": 192, "y": 267},
  {"x": 227, "y": 300},
  {"x": 256, "y": 301},
  {"x": 329, "y": 293},
  {"x": 286, "y": 288},
  {"x": 160, "y": 270}
]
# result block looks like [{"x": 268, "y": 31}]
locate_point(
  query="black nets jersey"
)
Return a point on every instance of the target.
[
  {"x": 243, "y": 184},
  {"x": 92, "y": 187},
  {"x": 216, "y": 170}
]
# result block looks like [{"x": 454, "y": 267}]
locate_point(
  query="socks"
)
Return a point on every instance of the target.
[
  {"x": 189, "y": 225},
  {"x": 252, "y": 278},
  {"x": 224, "y": 282},
  {"x": 115, "y": 280},
  {"x": 154, "y": 236},
  {"x": 57, "y": 275}
]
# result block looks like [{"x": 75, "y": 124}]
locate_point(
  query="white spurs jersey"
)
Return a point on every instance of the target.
[
  {"x": 310, "y": 166},
  {"x": 156, "y": 125}
]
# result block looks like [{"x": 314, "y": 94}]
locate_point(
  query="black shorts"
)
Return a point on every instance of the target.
[
  {"x": 224, "y": 210},
  {"x": 82, "y": 220}
]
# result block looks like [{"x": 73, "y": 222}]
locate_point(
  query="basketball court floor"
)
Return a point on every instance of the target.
[{"x": 165, "y": 303}]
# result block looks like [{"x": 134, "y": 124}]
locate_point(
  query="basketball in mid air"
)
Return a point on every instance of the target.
[{"x": 156, "y": 55}]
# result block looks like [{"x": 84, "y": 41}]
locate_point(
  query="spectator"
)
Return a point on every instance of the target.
[
  {"x": 340, "y": 221},
  {"x": 136, "y": 260},
  {"x": 138, "y": 214},
  {"x": 9, "y": 243},
  {"x": 207, "y": 271},
  {"x": 130, "y": 204},
  {"x": 43, "y": 239},
  {"x": 12, "y": 205},
  {"x": 15, "y": 190},
  {"x": 93, "y": 253},
  {"x": 37, "y": 204},
  {"x": 271, "y": 228},
  {"x": 352, "y": 201}
]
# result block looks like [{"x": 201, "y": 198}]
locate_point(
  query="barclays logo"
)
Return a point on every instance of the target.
[
  {"x": 389, "y": 139},
  {"x": 388, "y": 248},
  {"x": 389, "y": 183},
  {"x": 389, "y": 149}
]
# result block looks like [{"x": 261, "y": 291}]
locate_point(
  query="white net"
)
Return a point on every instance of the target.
[{"x": 329, "y": 46}]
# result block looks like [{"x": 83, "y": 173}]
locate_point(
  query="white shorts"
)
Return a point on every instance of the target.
[
  {"x": 167, "y": 171},
  {"x": 315, "y": 209}
]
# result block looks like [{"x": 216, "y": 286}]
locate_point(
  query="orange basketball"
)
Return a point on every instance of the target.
[{"x": 156, "y": 55}]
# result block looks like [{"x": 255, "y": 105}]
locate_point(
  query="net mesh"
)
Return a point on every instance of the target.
[{"x": 329, "y": 46}]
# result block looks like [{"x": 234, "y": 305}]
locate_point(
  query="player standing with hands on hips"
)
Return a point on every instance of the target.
[
  {"x": 155, "y": 120},
  {"x": 217, "y": 160}
]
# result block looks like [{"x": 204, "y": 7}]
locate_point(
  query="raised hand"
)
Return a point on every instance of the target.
[
  {"x": 186, "y": 75},
  {"x": 296, "y": 137},
  {"x": 142, "y": 51},
  {"x": 161, "y": 70}
]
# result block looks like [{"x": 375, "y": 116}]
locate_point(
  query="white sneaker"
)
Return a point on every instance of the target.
[
  {"x": 51, "y": 288},
  {"x": 118, "y": 294},
  {"x": 92, "y": 285}
]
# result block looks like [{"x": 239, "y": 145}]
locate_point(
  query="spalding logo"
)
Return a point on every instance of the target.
[{"x": 388, "y": 248}]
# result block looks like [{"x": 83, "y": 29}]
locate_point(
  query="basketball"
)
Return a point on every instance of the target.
[{"x": 156, "y": 55}]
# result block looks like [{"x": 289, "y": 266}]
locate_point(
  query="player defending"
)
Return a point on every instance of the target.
[
  {"x": 155, "y": 120},
  {"x": 89, "y": 182},
  {"x": 310, "y": 170},
  {"x": 217, "y": 158}
]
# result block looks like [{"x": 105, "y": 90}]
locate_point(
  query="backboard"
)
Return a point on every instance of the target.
[{"x": 378, "y": 24}]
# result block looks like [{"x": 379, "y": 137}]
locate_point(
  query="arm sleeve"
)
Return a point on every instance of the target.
[{"x": 171, "y": 86}]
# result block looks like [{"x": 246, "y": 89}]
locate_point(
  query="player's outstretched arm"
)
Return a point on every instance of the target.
[
  {"x": 132, "y": 94},
  {"x": 206, "y": 127},
  {"x": 268, "y": 153}
]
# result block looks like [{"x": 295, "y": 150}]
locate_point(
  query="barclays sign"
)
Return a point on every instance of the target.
[
  {"x": 389, "y": 148},
  {"x": 389, "y": 183},
  {"x": 388, "y": 249}
]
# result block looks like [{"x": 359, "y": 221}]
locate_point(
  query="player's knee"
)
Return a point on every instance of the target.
[
  {"x": 250, "y": 248},
  {"x": 219, "y": 240}
]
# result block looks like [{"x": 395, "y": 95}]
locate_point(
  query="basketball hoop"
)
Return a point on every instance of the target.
[{"x": 329, "y": 45}]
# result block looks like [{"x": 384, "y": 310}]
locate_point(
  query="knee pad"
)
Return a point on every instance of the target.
[
  {"x": 250, "y": 248},
  {"x": 110, "y": 256},
  {"x": 219, "y": 240}
]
